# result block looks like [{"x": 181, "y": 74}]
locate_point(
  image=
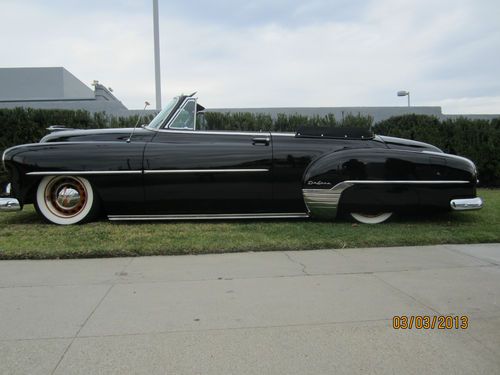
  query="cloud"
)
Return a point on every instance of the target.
[
  {"x": 90, "y": 44},
  {"x": 280, "y": 53},
  {"x": 249, "y": 14}
]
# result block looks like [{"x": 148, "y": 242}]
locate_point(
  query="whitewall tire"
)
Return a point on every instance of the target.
[
  {"x": 371, "y": 219},
  {"x": 66, "y": 200}
]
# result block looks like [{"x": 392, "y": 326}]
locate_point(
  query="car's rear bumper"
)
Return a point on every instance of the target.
[{"x": 466, "y": 204}]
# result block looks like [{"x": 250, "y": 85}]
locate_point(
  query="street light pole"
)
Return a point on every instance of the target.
[
  {"x": 156, "y": 31},
  {"x": 405, "y": 93}
]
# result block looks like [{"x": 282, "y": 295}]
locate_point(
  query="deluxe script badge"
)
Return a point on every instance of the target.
[{"x": 318, "y": 183}]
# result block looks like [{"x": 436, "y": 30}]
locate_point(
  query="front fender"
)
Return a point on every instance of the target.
[{"x": 101, "y": 162}]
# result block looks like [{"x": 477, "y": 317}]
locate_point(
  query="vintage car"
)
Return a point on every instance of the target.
[{"x": 173, "y": 169}]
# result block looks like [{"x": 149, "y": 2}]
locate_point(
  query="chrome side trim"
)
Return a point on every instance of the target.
[
  {"x": 80, "y": 173},
  {"x": 160, "y": 171},
  {"x": 9, "y": 205},
  {"x": 277, "y": 134},
  {"x": 405, "y": 182},
  {"x": 209, "y": 216},
  {"x": 147, "y": 171},
  {"x": 466, "y": 204}
]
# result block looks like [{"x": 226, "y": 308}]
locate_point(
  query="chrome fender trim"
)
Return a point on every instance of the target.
[{"x": 323, "y": 203}]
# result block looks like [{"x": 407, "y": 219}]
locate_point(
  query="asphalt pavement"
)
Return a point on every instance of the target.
[{"x": 294, "y": 312}]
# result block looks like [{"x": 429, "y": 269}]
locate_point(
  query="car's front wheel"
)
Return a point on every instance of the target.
[
  {"x": 66, "y": 200},
  {"x": 371, "y": 218}
]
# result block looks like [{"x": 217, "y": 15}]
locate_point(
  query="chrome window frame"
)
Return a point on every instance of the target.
[
  {"x": 166, "y": 119},
  {"x": 213, "y": 132},
  {"x": 177, "y": 113}
]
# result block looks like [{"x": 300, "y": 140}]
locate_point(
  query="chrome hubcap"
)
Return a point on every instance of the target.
[
  {"x": 68, "y": 198},
  {"x": 65, "y": 196}
]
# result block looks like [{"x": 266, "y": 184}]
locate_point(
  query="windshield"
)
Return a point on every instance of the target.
[{"x": 160, "y": 117}]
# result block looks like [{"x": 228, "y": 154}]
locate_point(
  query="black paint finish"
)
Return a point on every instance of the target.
[
  {"x": 201, "y": 192},
  {"x": 292, "y": 156},
  {"x": 286, "y": 164}
]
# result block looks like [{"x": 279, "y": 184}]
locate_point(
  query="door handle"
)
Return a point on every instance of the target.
[{"x": 261, "y": 140}]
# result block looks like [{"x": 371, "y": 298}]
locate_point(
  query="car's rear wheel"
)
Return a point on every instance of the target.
[
  {"x": 66, "y": 200},
  {"x": 371, "y": 218}
]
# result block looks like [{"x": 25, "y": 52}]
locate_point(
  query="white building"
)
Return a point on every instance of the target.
[{"x": 55, "y": 88}]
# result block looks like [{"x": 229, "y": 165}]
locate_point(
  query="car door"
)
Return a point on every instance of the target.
[{"x": 207, "y": 172}]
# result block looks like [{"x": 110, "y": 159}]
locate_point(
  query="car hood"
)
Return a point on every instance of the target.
[{"x": 97, "y": 135}]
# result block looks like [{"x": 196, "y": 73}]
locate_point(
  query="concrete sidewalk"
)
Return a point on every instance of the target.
[{"x": 310, "y": 312}]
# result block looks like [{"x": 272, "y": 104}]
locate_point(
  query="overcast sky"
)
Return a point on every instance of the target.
[{"x": 271, "y": 53}]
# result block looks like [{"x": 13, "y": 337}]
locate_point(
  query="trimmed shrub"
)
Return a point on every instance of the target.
[{"x": 282, "y": 123}]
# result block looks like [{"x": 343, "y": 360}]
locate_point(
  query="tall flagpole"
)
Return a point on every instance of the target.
[{"x": 156, "y": 30}]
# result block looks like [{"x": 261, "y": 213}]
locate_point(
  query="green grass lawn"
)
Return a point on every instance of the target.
[{"x": 24, "y": 235}]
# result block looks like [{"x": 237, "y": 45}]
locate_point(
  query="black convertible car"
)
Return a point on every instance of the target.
[{"x": 173, "y": 168}]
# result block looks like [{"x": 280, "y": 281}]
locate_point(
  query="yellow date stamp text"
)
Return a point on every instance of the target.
[{"x": 430, "y": 322}]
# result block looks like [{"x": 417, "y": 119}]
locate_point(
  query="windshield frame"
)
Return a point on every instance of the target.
[{"x": 164, "y": 116}]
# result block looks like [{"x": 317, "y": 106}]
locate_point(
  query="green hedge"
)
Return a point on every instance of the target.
[
  {"x": 478, "y": 140},
  {"x": 26, "y": 125},
  {"x": 282, "y": 123}
]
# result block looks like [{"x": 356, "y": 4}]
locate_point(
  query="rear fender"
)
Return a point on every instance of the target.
[{"x": 381, "y": 178}]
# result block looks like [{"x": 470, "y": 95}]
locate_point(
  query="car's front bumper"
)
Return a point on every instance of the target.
[
  {"x": 466, "y": 204},
  {"x": 9, "y": 204}
]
